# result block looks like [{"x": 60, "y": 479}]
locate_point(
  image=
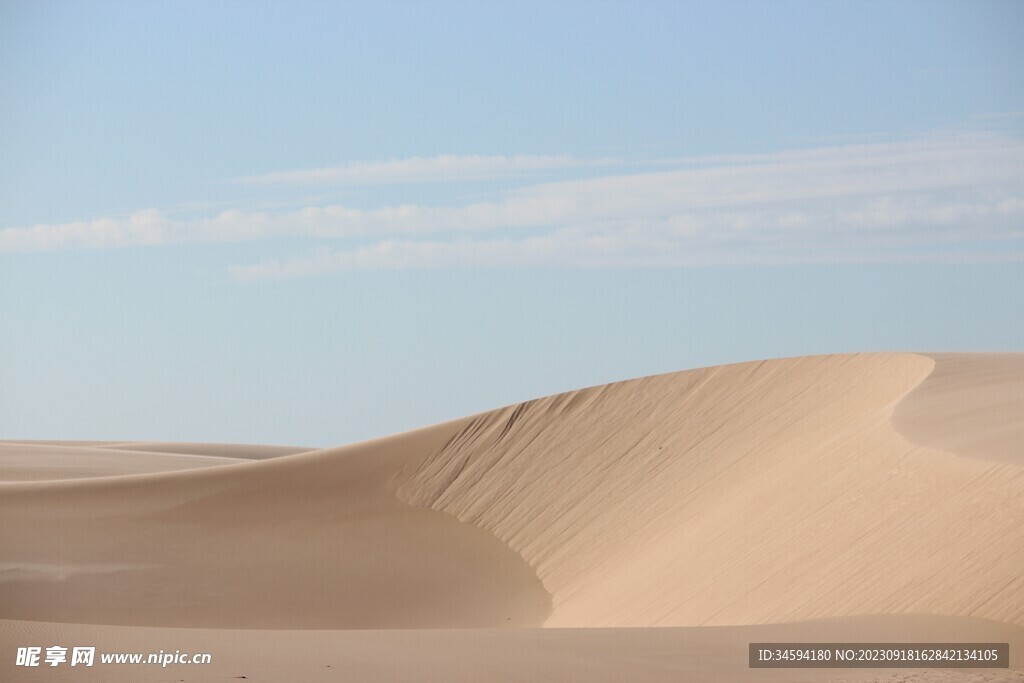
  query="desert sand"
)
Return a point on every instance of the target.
[{"x": 642, "y": 530}]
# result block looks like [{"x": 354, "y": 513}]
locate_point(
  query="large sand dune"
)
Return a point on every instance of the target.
[{"x": 802, "y": 494}]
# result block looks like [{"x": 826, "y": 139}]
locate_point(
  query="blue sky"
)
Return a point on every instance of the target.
[{"x": 315, "y": 223}]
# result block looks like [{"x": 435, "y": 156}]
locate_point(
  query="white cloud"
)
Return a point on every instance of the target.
[
  {"x": 951, "y": 197},
  {"x": 143, "y": 228},
  {"x": 443, "y": 168}
]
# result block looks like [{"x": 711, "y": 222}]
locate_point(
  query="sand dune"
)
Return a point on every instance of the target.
[
  {"x": 46, "y": 460},
  {"x": 220, "y": 450},
  {"x": 780, "y": 492}
]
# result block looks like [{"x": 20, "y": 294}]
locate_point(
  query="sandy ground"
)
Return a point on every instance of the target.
[
  {"x": 579, "y": 655},
  {"x": 643, "y": 530}
]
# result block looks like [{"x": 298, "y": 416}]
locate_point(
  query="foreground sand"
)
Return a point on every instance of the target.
[{"x": 802, "y": 496}]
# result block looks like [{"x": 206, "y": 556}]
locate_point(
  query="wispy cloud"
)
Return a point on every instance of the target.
[
  {"x": 877, "y": 231},
  {"x": 998, "y": 116},
  {"x": 438, "y": 169},
  {"x": 950, "y": 197}
]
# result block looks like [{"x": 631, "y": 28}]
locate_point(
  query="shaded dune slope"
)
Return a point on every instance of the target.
[
  {"x": 746, "y": 494},
  {"x": 306, "y": 541}
]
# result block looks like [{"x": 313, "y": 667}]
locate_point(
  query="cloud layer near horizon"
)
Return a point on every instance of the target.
[{"x": 951, "y": 197}]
